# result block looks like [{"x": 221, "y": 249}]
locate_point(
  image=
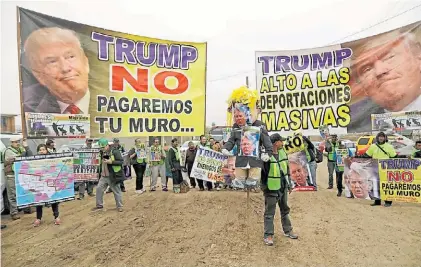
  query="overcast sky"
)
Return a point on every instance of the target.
[{"x": 233, "y": 29}]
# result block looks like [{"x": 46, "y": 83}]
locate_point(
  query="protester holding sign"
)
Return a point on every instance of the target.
[
  {"x": 341, "y": 153},
  {"x": 190, "y": 157},
  {"x": 157, "y": 163},
  {"x": 417, "y": 152},
  {"x": 311, "y": 158},
  {"x": 275, "y": 187},
  {"x": 381, "y": 150},
  {"x": 42, "y": 150},
  {"x": 88, "y": 185},
  {"x": 111, "y": 175},
  {"x": 249, "y": 161},
  {"x": 174, "y": 160},
  {"x": 139, "y": 160},
  {"x": 14, "y": 150},
  {"x": 203, "y": 144},
  {"x": 331, "y": 146}
]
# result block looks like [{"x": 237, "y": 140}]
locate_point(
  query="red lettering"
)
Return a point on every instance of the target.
[
  {"x": 121, "y": 74},
  {"x": 397, "y": 176},
  {"x": 159, "y": 82}
]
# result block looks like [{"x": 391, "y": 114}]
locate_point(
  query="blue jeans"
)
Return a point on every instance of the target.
[{"x": 313, "y": 172}]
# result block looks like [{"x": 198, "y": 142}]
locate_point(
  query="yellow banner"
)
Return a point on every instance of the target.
[
  {"x": 400, "y": 180},
  {"x": 294, "y": 143},
  {"x": 129, "y": 85}
]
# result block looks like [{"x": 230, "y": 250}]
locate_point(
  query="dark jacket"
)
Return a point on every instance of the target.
[
  {"x": 117, "y": 162},
  {"x": 173, "y": 161},
  {"x": 264, "y": 181},
  {"x": 190, "y": 156},
  {"x": 235, "y": 139},
  {"x": 37, "y": 98},
  {"x": 310, "y": 149},
  {"x": 8, "y": 164},
  {"x": 417, "y": 154}
]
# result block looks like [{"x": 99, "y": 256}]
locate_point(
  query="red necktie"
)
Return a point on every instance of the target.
[{"x": 73, "y": 109}]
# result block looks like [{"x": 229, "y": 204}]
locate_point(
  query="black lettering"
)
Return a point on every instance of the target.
[
  {"x": 112, "y": 105},
  {"x": 347, "y": 93},
  {"x": 135, "y": 106},
  {"x": 262, "y": 102},
  {"x": 135, "y": 125},
  {"x": 101, "y": 121},
  {"x": 102, "y": 102},
  {"x": 174, "y": 125},
  {"x": 188, "y": 107},
  {"x": 156, "y": 106},
  {"x": 269, "y": 102},
  {"x": 167, "y": 106},
  {"x": 123, "y": 104},
  {"x": 178, "y": 106},
  {"x": 146, "y": 105}
]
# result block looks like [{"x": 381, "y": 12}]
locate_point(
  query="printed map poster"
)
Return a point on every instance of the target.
[
  {"x": 155, "y": 153},
  {"x": 361, "y": 178},
  {"x": 86, "y": 164},
  {"x": 300, "y": 172},
  {"x": 44, "y": 179},
  {"x": 131, "y": 86},
  {"x": 41, "y": 125},
  {"x": 400, "y": 180},
  {"x": 341, "y": 154},
  {"x": 208, "y": 165},
  {"x": 339, "y": 86},
  {"x": 396, "y": 121},
  {"x": 249, "y": 145}
]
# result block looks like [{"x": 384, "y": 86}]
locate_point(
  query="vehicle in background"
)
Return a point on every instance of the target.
[
  {"x": 363, "y": 143},
  {"x": 217, "y": 132},
  {"x": 400, "y": 141}
]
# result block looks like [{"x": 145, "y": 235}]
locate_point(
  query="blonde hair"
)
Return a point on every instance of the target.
[{"x": 38, "y": 38}]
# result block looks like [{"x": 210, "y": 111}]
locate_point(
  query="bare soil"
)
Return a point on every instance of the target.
[{"x": 216, "y": 229}]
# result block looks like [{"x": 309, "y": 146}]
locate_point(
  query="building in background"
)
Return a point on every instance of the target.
[{"x": 8, "y": 124}]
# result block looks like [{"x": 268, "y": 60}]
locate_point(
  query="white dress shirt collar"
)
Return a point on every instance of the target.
[{"x": 82, "y": 104}]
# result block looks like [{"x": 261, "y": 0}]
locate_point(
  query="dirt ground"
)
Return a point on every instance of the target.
[{"x": 215, "y": 229}]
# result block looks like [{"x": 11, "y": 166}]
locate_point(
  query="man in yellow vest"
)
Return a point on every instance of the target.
[
  {"x": 276, "y": 184},
  {"x": 331, "y": 146},
  {"x": 111, "y": 163}
]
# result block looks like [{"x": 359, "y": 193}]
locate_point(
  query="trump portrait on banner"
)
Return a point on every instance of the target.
[{"x": 58, "y": 62}]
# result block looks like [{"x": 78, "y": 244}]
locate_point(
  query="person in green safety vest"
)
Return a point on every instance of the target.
[
  {"x": 174, "y": 161},
  {"x": 111, "y": 173},
  {"x": 339, "y": 169},
  {"x": 276, "y": 184},
  {"x": 138, "y": 159},
  {"x": 331, "y": 146}
]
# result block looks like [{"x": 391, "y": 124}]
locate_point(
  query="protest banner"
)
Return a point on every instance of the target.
[
  {"x": 208, "y": 165},
  {"x": 294, "y": 143},
  {"x": 361, "y": 177},
  {"x": 341, "y": 154},
  {"x": 129, "y": 85},
  {"x": 396, "y": 121},
  {"x": 41, "y": 125},
  {"x": 400, "y": 180},
  {"x": 337, "y": 85},
  {"x": 249, "y": 145},
  {"x": 44, "y": 179},
  {"x": 86, "y": 164}
]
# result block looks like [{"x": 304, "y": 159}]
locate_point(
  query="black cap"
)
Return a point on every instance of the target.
[
  {"x": 89, "y": 140},
  {"x": 276, "y": 137},
  {"x": 116, "y": 140}
]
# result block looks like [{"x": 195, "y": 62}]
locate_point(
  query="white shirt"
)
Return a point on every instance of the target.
[
  {"x": 82, "y": 104},
  {"x": 415, "y": 105}
]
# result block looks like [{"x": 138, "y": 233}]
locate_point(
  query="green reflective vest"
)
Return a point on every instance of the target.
[
  {"x": 277, "y": 170},
  {"x": 333, "y": 152},
  {"x": 139, "y": 160},
  {"x": 115, "y": 168}
]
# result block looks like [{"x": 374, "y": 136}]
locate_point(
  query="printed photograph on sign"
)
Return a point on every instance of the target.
[
  {"x": 361, "y": 178},
  {"x": 249, "y": 145},
  {"x": 341, "y": 154},
  {"x": 86, "y": 164},
  {"x": 141, "y": 153},
  {"x": 44, "y": 179},
  {"x": 41, "y": 125},
  {"x": 396, "y": 121},
  {"x": 105, "y": 77},
  {"x": 339, "y": 86},
  {"x": 155, "y": 153},
  {"x": 228, "y": 170},
  {"x": 300, "y": 172}
]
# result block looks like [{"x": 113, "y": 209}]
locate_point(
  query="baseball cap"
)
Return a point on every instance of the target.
[
  {"x": 116, "y": 140},
  {"x": 276, "y": 137},
  {"x": 102, "y": 142},
  {"x": 15, "y": 138},
  {"x": 89, "y": 140}
]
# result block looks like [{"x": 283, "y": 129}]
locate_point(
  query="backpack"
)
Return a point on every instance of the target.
[{"x": 319, "y": 156}]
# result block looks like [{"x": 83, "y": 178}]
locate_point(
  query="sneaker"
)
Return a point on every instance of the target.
[
  {"x": 37, "y": 223},
  {"x": 108, "y": 191},
  {"x": 80, "y": 197},
  {"x": 268, "y": 241},
  {"x": 15, "y": 217},
  {"x": 3, "y": 226},
  {"x": 291, "y": 235},
  {"x": 201, "y": 189},
  {"x": 97, "y": 208},
  {"x": 375, "y": 204},
  {"x": 218, "y": 189},
  {"x": 57, "y": 221},
  {"x": 141, "y": 191},
  {"x": 330, "y": 187},
  {"x": 123, "y": 190},
  {"x": 165, "y": 189},
  {"x": 120, "y": 209},
  {"x": 153, "y": 189}
]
